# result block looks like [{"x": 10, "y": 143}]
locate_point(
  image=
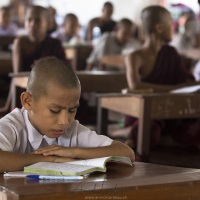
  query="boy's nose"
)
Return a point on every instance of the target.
[{"x": 63, "y": 118}]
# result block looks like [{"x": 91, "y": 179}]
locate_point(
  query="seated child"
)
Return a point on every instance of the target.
[
  {"x": 6, "y": 27},
  {"x": 69, "y": 32},
  {"x": 45, "y": 128},
  {"x": 113, "y": 43},
  {"x": 104, "y": 22},
  {"x": 37, "y": 44},
  {"x": 52, "y": 20},
  {"x": 157, "y": 66}
]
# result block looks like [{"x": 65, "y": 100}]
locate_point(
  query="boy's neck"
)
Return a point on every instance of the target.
[
  {"x": 37, "y": 39},
  {"x": 153, "y": 43}
]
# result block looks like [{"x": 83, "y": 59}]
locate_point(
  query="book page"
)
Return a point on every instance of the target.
[
  {"x": 189, "y": 89},
  {"x": 95, "y": 162},
  {"x": 57, "y": 168},
  {"x": 100, "y": 162}
]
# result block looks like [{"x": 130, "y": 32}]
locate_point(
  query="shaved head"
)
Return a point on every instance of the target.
[
  {"x": 151, "y": 16},
  {"x": 50, "y": 71},
  {"x": 39, "y": 10}
]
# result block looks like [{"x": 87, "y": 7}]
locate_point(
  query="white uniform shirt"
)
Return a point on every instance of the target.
[
  {"x": 18, "y": 135},
  {"x": 10, "y": 30},
  {"x": 107, "y": 45}
]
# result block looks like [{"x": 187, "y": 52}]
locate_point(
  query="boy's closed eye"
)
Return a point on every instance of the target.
[
  {"x": 55, "y": 111},
  {"x": 58, "y": 111}
]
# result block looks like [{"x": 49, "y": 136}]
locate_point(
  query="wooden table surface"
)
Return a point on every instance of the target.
[
  {"x": 5, "y": 63},
  {"x": 142, "y": 181},
  {"x": 91, "y": 81},
  {"x": 146, "y": 107}
]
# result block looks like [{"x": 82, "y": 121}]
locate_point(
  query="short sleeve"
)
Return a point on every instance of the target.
[
  {"x": 99, "y": 50},
  {"x": 7, "y": 137},
  {"x": 89, "y": 138}
]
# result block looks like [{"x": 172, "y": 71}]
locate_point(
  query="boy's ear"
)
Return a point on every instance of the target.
[{"x": 26, "y": 100}]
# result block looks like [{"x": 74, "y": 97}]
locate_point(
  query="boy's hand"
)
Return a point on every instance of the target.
[
  {"x": 56, "y": 151},
  {"x": 58, "y": 159}
]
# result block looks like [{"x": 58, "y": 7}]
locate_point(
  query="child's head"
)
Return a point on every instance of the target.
[
  {"x": 124, "y": 30},
  {"x": 52, "y": 96},
  {"x": 157, "y": 20},
  {"x": 4, "y": 16},
  {"x": 71, "y": 24},
  {"x": 107, "y": 10},
  {"x": 36, "y": 22}
]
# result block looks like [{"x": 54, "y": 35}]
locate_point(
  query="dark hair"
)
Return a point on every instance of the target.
[
  {"x": 48, "y": 70},
  {"x": 152, "y": 15},
  {"x": 40, "y": 10},
  {"x": 107, "y": 3},
  {"x": 70, "y": 15},
  {"x": 5, "y": 8},
  {"x": 125, "y": 22}
]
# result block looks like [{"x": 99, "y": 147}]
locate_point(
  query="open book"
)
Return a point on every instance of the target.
[
  {"x": 79, "y": 167},
  {"x": 187, "y": 89}
]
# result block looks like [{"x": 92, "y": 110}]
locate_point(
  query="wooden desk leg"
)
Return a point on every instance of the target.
[
  {"x": 143, "y": 140},
  {"x": 102, "y": 119},
  {"x": 13, "y": 95}
]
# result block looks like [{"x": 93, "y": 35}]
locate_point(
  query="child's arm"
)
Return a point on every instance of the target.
[
  {"x": 133, "y": 63},
  {"x": 115, "y": 149},
  {"x": 11, "y": 161}
]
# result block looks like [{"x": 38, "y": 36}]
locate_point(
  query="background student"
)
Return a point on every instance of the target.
[
  {"x": 158, "y": 66},
  {"x": 69, "y": 32},
  {"x": 37, "y": 44},
  {"x": 113, "y": 43},
  {"x": 6, "y": 26},
  {"x": 105, "y": 22}
]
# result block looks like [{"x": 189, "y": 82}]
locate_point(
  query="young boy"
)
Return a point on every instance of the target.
[
  {"x": 69, "y": 32},
  {"x": 6, "y": 27},
  {"x": 37, "y": 44},
  {"x": 104, "y": 22},
  {"x": 45, "y": 128},
  {"x": 113, "y": 43}
]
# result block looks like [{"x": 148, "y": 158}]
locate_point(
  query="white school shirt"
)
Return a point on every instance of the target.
[
  {"x": 107, "y": 45},
  {"x": 18, "y": 135}
]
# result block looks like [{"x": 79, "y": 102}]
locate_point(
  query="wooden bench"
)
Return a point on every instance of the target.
[{"x": 78, "y": 55}]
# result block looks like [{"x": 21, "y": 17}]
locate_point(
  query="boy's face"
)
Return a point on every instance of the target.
[
  {"x": 53, "y": 113},
  {"x": 123, "y": 34},
  {"x": 36, "y": 24},
  {"x": 4, "y": 17},
  {"x": 167, "y": 28},
  {"x": 107, "y": 12},
  {"x": 71, "y": 26}
]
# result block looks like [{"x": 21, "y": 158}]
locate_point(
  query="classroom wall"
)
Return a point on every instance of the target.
[{"x": 87, "y": 9}]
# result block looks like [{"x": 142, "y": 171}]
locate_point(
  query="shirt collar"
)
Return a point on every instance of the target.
[{"x": 35, "y": 138}]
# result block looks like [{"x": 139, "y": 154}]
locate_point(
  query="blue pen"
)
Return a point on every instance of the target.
[{"x": 55, "y": 177}]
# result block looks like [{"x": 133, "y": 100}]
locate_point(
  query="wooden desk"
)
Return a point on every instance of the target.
[
  {"x": 147, "y": 107},
  {"x": 6, "y": 41},
  {"x": 91, "y": 81},
  {"x": 142, "y": 181},
  {"x": 78, "y": 55},
  {"x": 5, "y": 63}
]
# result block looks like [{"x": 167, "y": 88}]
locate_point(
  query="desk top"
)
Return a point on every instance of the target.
[
  {"x": 91, "y": 81},
  {"x": 159, "y": 105},
  {"x": 142, "y": 180},
  {"x": 84, "y": 72}
]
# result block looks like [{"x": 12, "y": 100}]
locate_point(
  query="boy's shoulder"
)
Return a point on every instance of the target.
[{"x": 13, "y": 120}]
